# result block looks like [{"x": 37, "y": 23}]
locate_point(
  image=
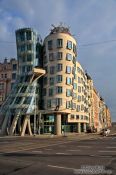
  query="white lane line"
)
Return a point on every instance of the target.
[
  {"x": 63, "y": 154},
  {"x": 37, "y": 151},
  {"x": 61, "y": 167},
  {"x": 106, "y": 151},
  {"x": 73, "y": 150},
  {"x": 84, "y": 146},
  {"x": 48, "y": 149}
]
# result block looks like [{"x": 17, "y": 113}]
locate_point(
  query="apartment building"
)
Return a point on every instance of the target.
[{"x": 8, "y": 75}]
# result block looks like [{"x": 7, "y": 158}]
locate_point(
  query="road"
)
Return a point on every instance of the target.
[{"x": 58, "y": 156}]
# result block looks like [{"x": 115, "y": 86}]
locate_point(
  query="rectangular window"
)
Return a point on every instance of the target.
[
  {"x": 5, "y": 76},
  {"x": 1, "y": 86},
  {"x": 74, "y": 60},
  {"x": 74, "y": 48},
  {"x": 22, "y": 48},
  {"x": 68, "y": 69},
  {"x": 13, "y": 76},
  {"x": 45, "y": 80},
  {"x": 46, "y": 69},
  {"x": 28, "y": 35},
  {"x": 50, "y": 45},
  {"x": 59, "y": 67},
  {"x": 14, "y": 67},
  {"x": 59, "y": 89},
  {"x": 59, "y": 101},
  {"x": 59, "y": 43},
  {"x": 18, "y": 100},
  {"x": 52, "y": 70},
  {"x": 75, "y": 86},
  {"x": 68, "y": 57},
  {"x": 82, "y": 107},
  {"x": 69, "y": 45},
  {"x": 73, "y": 105},
  {"x": 49, "y": 103},
  {"x": 74, "y": 95},
  {"x": 77, "y": 117},
  {"x": 29, "y": 68},
  {"x": 79, "y": 98},
  {"x": 72, "y": 117},
  {"x": 44, "y": 91},
  {"x": 22, "y": 36},
  {"x": 59, "y": 55},
  {"x": 68, "y": 92},
  {"x": 59, "y": 78},
  {"x": 29, "y": 57},
  {"x": 79, "y": 89},
  {"x": 51, "y": 80},
  {"x": 29, "y": 47},
  {"x": 68, "y": 80},
  {"x": 51, "y": 92},
  {"x": 79, "y": 80},
  {"x": 51, "y": 56},
  {"x": 68, "y": 104},
  {"x": 78, "y": 108}
]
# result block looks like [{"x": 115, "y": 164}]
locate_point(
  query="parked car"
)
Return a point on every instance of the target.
[{"x": 105, "y": 132}]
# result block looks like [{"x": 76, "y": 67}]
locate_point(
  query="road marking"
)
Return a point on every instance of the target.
[
  {"x": 84, "y": 146},
  {"x": 106, "y": 151},
  {"x": 73, "y": 150},
  {"x": 48, "y": 149},
  {"x": 37, "y": 151},
  {"x": 109, "y": 147},
  {"x": 61, "y": 167},
  {"x": 63, "y": 154}
]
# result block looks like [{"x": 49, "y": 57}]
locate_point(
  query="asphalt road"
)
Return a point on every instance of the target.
[{"x": 58, "y": 156}]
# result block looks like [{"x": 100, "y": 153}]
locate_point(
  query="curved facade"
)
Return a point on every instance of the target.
[{"x": 60, "y": 84}]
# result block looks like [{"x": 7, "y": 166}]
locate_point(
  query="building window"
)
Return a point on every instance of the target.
[
  {"x": 79, "y": 98},
  {"x": 74, "y": 86},
  {"x": 59, "y": 43},
  {"x": 79, "y": 89},
  {"x": 79, "y": 80},
  {"x": 59, "y": 78},
  {"x": 51, "y": 92},
  {"x": 29, "y": 57},
  {"x": 68, "y": 104},
  {"x": 28, "y": 34},
  {"x": 69, "y": 45},
  {"x": 59, "y": 55},
  {"x": 14, "y": 67},
  {"x": 74, "y": 95},
  {"x": 73, "y": 105},
  {"x": 59, "y": 67},
  {"x": 68, "y": 92},
  {"x": 29, "y": 46},
  {"x": 72, "y": 117},
  {"x": 68, "y": 57},
  {"x": 44, "y": 92},
  {"x": 22, "y": 48},
  {"x": 49, "y": 103},
  {"x": 29, "y": 68},
  {"x": 46, "y": 69},
  {"x": 50, "y": 45},
  {"x": 58, "y": 101},
  {"x": 68, "y": 80},
  {"x": 1, "y": 86},
  {"x": 45, "y": 80},
  {"x": 74, "y": 48},
  {"x": 68, "y": 69},
  {"x": 18, "y": 100},
  {"x": 82, "y": 107},
  {"x": 59, "y": 89},
  {"x": 5, "y": 76},
  {"x": 51, "y": 80},
  {"x": 13, "y": 76},
  {"x": 52, "y": 70},
  {"x": 78, "y": 108},
  {"x": 77, "y": 117},
  {"x": 51, "y": 56},
  {"x": 2, "y": 76}
]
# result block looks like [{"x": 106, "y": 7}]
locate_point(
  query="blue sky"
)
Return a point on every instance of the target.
[{"x": 90, "y": 21}]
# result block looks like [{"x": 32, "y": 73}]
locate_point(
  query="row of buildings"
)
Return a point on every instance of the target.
[{"x": 52, "y": 93}]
